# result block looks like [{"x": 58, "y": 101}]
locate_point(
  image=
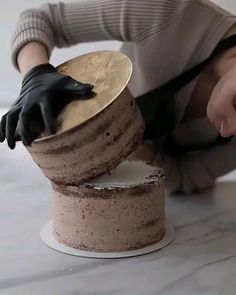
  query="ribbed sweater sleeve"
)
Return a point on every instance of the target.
[
  {"x": 191, "y": 172},
  {"x": 33, "y": 25},
  {"x": 66, "y": 24}
]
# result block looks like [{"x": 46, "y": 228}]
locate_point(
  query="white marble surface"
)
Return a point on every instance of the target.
[{"x": 201, "y": 260}]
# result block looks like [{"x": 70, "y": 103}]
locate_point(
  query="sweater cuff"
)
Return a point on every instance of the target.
[{"x": 34, "y": 26}]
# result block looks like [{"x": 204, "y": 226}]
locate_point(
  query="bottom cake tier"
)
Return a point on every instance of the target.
[{"x": 119, "y": 211}]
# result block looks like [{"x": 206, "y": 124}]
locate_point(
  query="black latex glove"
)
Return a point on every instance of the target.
[{"x": 44, "y": 93}]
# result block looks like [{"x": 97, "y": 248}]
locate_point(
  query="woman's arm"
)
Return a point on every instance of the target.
[
  {"x": 193, "y": 172},
  {"x": 66, "y": 24},
  {"x": 31, "y": 55}
]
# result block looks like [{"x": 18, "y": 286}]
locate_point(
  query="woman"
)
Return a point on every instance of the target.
[{"x": 163, "y": 39}]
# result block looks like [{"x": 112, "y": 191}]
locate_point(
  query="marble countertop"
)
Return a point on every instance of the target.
[{"x": 201, "y": 260}]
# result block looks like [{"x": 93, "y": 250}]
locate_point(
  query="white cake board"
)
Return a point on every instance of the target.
[{"x": 48, "y": 238}]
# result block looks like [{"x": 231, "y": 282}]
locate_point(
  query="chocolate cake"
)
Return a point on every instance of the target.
[
  {"x": 119, "y": 211},
  {"x": 94, "y": 135},
  {"x": 124, "y": 208}
]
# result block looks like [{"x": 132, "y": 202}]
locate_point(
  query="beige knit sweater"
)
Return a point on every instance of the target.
[{"x": 162, "y": 38}]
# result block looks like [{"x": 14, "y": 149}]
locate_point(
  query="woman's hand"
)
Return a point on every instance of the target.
[
  {"x": 221, "y": 109},
  {"x": 43, "y": 95}
]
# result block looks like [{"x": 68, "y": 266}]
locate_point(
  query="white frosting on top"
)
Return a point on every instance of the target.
[{"x": 127, "y": 174}]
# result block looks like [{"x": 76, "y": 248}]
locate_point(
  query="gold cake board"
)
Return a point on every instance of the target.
[{"x": 48, "y": 239}]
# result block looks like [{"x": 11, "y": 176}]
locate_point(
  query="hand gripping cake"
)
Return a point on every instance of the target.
[
  {"x": 94, "y": 135},
  {"x": 119, "y": 211}
]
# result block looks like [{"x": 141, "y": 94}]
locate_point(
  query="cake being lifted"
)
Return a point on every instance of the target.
[
  {"x": 93, "y": 135},
  {"x": 122, "y": 210}
]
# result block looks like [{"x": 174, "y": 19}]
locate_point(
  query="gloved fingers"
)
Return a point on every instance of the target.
[
  {"x": 11, "y": 124},
  {"x": 72, "y": 87},
  {"x": 29, "y": 116},
  {"x": 47, "y": 116},
  {"x": 3, "y": 127},
  {"x": 18, "y": 100}
]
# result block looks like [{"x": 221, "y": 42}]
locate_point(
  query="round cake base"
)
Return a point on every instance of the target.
[{"x": 48, "y": 239}]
